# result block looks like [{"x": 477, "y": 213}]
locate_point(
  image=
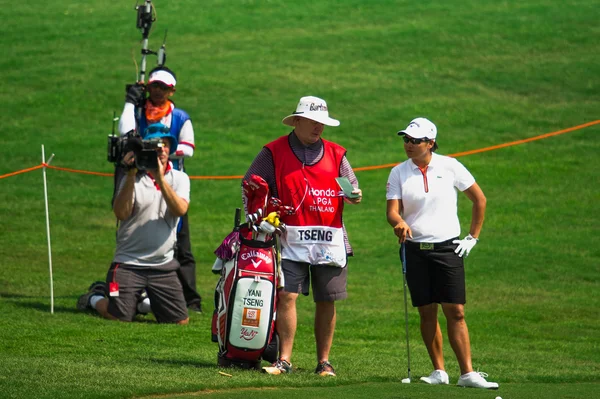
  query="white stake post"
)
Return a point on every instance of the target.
[{"x": 48, "y": 228}]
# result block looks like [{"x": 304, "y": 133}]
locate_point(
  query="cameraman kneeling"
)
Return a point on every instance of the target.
[{"x": 148, "y": 205}]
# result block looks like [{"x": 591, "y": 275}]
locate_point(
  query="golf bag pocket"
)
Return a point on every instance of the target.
[
  {"x": 252, "y": 300},
  {"x": 246, "y": 296}
]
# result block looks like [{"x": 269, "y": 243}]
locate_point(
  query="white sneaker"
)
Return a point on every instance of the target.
[
  {"x": 436, "y": 377},
  {"x": 476, "y": 379}
]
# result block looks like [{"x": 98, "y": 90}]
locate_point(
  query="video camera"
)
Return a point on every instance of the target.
[{"x": 145, "y": 153}]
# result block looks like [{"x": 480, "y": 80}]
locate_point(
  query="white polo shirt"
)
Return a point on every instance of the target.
[
  {"x": 430, "y": 200},
  {"x": 147, "y": 237}
]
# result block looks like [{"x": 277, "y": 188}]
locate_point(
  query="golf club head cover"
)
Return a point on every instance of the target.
[
  {"x": 286, "y": 210},
  {"x": 275, "y": 205},
  {"x": 270, "y": 222},
  {"x": 229, "y": 246},
  {"x": 267, "y": 227},
  {"x": 256, "y": 191}
]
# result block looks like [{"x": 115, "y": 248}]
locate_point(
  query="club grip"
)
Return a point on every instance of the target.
[
  {"x": 403, "y": 257},
  {"x": 237, "y": 218}
]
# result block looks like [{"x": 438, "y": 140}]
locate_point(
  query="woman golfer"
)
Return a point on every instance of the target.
[{"x": 422, "y": 209}]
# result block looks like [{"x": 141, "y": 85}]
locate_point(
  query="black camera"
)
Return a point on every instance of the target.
[{"x": 145, "y": 153}]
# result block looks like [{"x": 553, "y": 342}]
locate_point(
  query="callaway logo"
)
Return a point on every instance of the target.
[
  {"x": 255, "y": 263},
  {"x": 256, "y": 254}
]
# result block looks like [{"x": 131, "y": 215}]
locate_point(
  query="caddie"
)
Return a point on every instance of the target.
[{"x": 301, "y": 170}]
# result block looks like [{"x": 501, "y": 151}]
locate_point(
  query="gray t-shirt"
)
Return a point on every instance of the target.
[{"x": 147, "y": 237}]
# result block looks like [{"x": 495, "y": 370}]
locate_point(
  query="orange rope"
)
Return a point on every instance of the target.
[
  {"x": 81, "y": 171},
  {"x": 215, "y": 177},
  {"x": 21, "y": 171},
  {"x": 493, "y": 147},
  {"x": 389, "y": 165},
  {"x": 541, "y": 136}
]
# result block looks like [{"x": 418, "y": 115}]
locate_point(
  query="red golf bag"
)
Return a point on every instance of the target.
[
  {"x": 246, "y": 294},
  {"x": 246, "y": 303}
]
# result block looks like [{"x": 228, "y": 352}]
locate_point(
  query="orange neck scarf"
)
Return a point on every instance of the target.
[{"x": 155, "y": 113}]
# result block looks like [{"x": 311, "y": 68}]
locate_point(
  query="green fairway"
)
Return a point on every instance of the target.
[
  {"x": 486, "y": 72},
  {"x": 393, "y": 390}
]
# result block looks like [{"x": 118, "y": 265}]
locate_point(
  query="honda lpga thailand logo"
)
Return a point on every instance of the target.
[
  {"x": 315, "y": 192},
  {"x": 247, "y": 334}
]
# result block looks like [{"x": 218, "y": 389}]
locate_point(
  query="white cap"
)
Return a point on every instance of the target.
[
  {"x": 420, "y": 128},
  {"x": 162, "y": 76},
  {"x": 313, "y": 108}
]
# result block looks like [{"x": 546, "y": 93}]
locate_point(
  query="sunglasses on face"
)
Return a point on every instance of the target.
[
  {"x": 159, "y": 85},
  {"x": 414, "y": 141}
]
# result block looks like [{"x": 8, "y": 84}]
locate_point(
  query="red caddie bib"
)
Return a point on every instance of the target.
[{"x": 315, "y": 234}]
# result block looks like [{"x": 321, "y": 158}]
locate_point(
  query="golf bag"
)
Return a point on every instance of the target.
[{"x": 246, "y": 302}]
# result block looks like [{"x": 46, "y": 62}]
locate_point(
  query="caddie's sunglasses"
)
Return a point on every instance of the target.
[{"x": 414, "y": 141}]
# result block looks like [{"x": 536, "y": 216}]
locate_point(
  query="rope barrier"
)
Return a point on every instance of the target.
[
  {"x": 86, "y": 172},
  {"x": 389, "y": 165},
  {"x": 22, "y": 171},
  {"x": 494, "y": 147}
]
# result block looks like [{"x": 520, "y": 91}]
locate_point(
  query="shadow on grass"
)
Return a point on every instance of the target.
[
  {"x": 7, "y": 295},
  {"x": 44, "y": 307},
  {"x": 198, "y": 364},
  {"x": 22, "y": 300}
]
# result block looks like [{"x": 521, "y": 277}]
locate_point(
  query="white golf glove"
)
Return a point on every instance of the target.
[{"x": 465, "y": 245}]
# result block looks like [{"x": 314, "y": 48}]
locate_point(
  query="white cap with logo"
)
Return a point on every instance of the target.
[
  {"x": 162, "y": 76},
  {"x": 420, "y": 128},
  {"x": 313, "y": 108}
]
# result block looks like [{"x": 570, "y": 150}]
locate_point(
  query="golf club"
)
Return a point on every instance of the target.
[{"x": 403, "y": 258}]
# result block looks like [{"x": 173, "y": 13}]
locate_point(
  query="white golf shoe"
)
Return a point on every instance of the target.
[
  {"x": 437, "y": 377},
  {"x": 476, "y": 379}
]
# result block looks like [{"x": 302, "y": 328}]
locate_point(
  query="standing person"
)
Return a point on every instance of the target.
[
  {"x": 301, "y": 170},
  {"x": 158, "y": 108},
  {"x": 148, "y": 205},
  {"x": 422, "y": 209}
]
